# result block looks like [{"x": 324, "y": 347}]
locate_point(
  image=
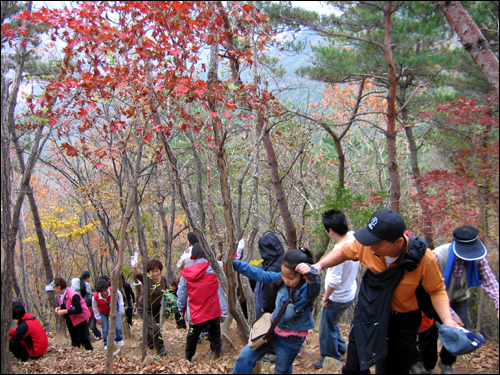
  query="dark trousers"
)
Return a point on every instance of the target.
[
  {"x": 129, "y": 313},
  {"x": 401, "y": 341},
  {"x": 78, "y": 334},
  {"x": 154, "y": 338},
  {"x": 180, "y": 321},
  {"x": 20, "y": 352},
  {"x": 213, "y": 328},
  {"x": 427, "y": 341},
  {"x": 93, "y": 327}
]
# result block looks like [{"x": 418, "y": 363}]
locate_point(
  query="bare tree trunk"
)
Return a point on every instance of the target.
[
  {"x": 199, "y": 179},
  {"x": 291, "y": 231},
  {"x": 337, "y": 139},
  {"x": 211, "y": 218},
  {"x": 115, "y": 274},
  {"x": 391, "y": 110},
  {"x": 243, "y": 328},
  {"x": 472, "y": 39},
  {"x": 414, "y": 164}
]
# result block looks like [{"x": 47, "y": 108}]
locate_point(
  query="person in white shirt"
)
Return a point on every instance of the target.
[
  {"x": 185, "y": 260},
  {"x": 340, "y": 290},
  {"x": 101, "y": 301}
]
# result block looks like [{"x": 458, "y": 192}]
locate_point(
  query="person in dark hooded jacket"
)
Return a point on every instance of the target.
[
  {"x": 28, "y": 340},
  {"x": 271, "y": 250}
]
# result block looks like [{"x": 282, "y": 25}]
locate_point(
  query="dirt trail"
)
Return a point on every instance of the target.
[{"x": 61, "y": 358}]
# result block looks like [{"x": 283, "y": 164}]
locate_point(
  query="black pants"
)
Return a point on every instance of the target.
[
  {"x": 129, "y": 312},
  {"x": 154, "y": 337},
  {"x": 180, "y": 321},
  {"x": 401, "y": 340},
  {"x": 93, "y": 327},
  {"x": 427, "y": 341},
  {"x": 20, "y": 352},
  {"x": 78, "y": 334},
  {"x": 213, "y": 328}
]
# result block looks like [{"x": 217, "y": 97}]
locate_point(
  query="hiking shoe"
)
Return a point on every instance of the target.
[
  {"x": 96, "y": 338},
  {"x": 269, "y": 358},
  {"x": 418, "y": 368},
  {"x": 105, "y": 347},
  {"x": 319, "y": 365},
  {"x": 162, "y": 353},
  {"x": 446, "y": 369},
  {"x": 120, "y": 343},
  {"x": 217, "y": 354}
]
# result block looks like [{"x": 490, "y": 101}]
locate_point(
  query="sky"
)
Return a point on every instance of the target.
[{"x": 312, "y": 5}]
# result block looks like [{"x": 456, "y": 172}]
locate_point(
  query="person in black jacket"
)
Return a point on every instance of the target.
[
  {"x": 271, "y": 250},
  {"x": 130, "y": 300}
]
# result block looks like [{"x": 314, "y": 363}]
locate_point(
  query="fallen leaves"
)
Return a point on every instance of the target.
[{"x": 61, "y": 358}]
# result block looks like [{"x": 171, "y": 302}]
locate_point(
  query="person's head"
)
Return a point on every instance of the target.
[
  {"x": 384, "y": 233},
  {"x": 197, "y": 252},
  {"x": 105, "y": 277},
  {"x": 60, "y": 285},
  {"x": 173, "y": 284},
  {"x": 84, "y": 277},
  {"x": 192, "y": 238},
  {"x": 336, "y": 221},
  {"x": 154, "y": 267},
  {"x": 18, "y": 310},
  {"x": 270, "y": 248},
  {"x": 102, "y": 287},
  {"x": 290, "y": 260},
  {"x": 467, "y": 245}
]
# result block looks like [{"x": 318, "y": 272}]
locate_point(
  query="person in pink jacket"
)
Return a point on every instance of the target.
[{"x": 73, "y": 309}]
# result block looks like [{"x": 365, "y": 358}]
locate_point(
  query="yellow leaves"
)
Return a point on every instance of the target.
[{"x": 255, "y": 263}]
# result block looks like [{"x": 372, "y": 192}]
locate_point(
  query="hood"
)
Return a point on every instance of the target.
[
  {"x": 196, "y": 271},
  {"x": 75, "y": 283},
  {"x": 271, "y": 249}
]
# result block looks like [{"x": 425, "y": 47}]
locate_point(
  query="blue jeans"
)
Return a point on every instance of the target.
[
  {"x": 286, "y": 349},
  {"x": 331, "y": 343},
  {"x": 105, "y": 328}
]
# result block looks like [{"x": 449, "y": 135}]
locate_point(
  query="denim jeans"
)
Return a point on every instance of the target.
[
  {"x": 286, "y": 349},
  {"x": 105, "y": 328},
  {"x": 331, "y": 343}
]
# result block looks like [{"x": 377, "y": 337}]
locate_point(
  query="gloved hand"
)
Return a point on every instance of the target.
[
  {"x": 133, "y": 260},
  {"x": 241, "y": 246}
]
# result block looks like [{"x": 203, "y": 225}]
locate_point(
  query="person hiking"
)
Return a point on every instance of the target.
[
  {"x": 299, "y": 291},
  {"x": 387, "y": 316}
]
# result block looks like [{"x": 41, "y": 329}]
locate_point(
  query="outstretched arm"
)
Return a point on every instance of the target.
[{"x": 331, "y": 259}]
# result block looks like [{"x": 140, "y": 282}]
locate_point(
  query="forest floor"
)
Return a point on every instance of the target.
[{"x": 61, "y": 358}]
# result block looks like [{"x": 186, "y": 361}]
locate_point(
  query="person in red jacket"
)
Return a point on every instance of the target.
[
  {"x": 200, "y": 297},
  {"x": 28, "y": 340}
]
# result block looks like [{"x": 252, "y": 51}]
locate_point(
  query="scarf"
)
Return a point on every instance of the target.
[{"x": 470, "y": 268}]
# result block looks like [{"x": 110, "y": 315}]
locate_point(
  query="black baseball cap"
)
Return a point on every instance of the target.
[
  {"x": 384, "y": 224},
  {"x": 466, "y": 243}
]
